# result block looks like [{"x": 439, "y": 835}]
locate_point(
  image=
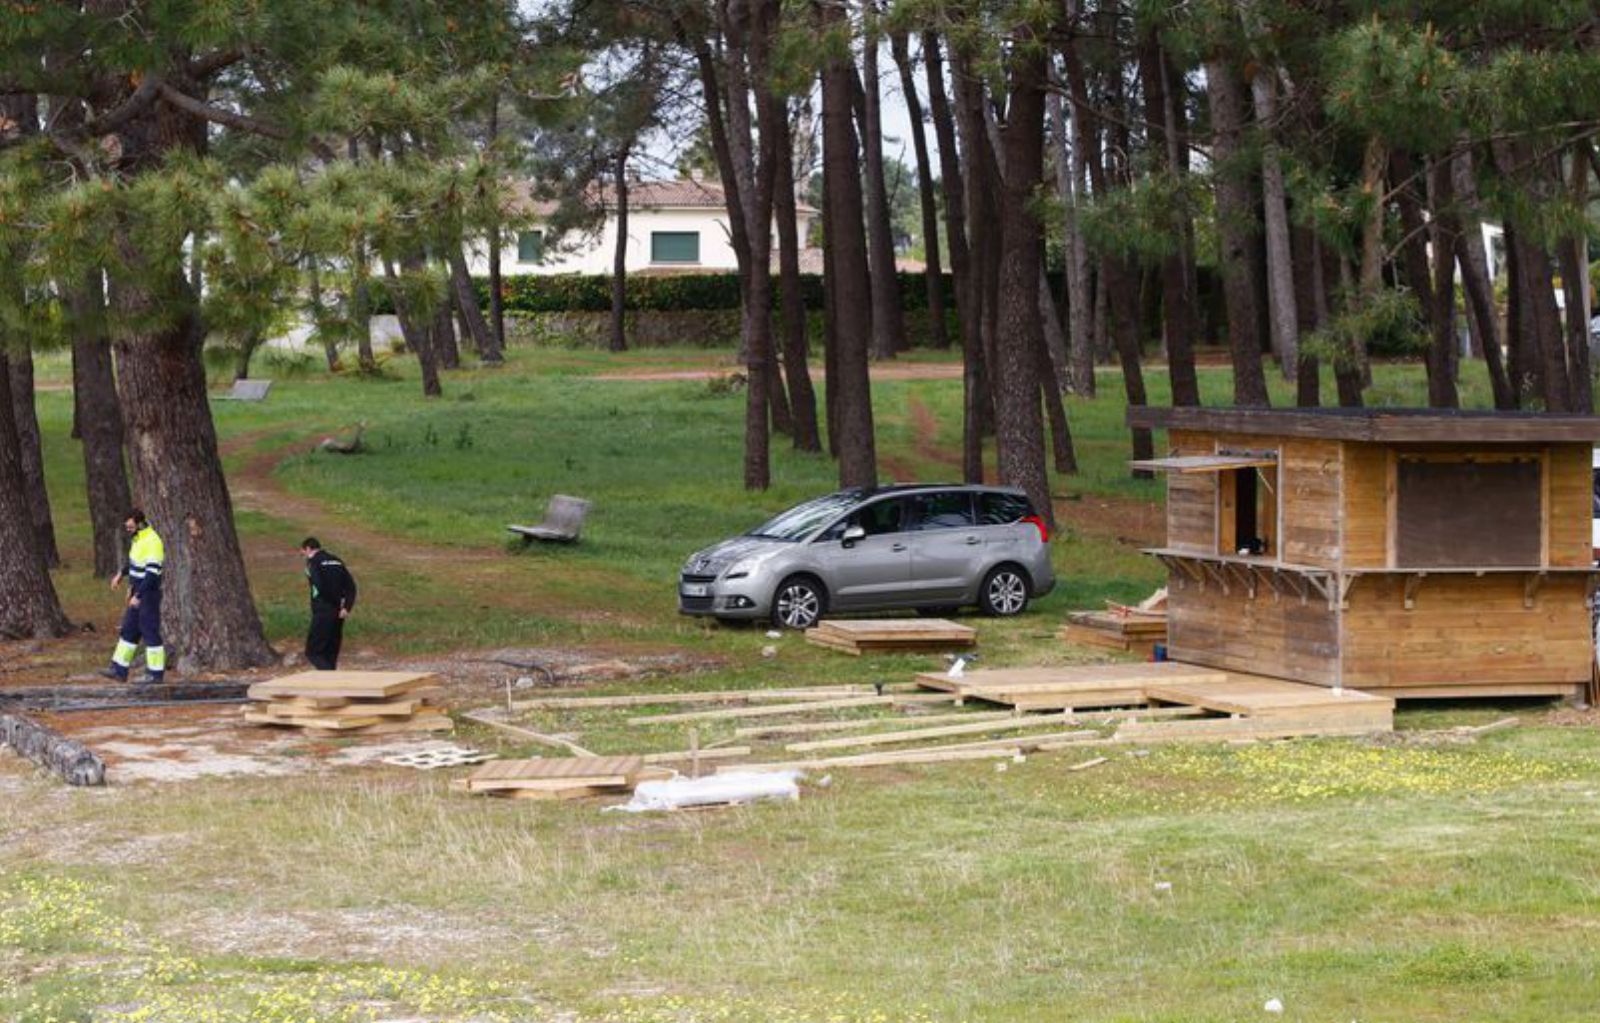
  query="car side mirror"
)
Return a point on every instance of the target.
[{"x": 851, "y": 535}]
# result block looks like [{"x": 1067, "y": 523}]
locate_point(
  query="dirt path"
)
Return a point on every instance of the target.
[
  {"x": 1121, "y": 520},
  {"x": 476, "y": 575}
]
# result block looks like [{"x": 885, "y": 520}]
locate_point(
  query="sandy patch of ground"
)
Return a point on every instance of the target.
[{"x": 389, "y": 935}]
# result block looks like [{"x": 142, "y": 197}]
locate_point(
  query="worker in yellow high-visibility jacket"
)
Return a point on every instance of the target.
[{"x": 141, "y": 621}]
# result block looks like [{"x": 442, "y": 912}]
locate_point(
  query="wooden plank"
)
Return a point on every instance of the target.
[
  {"x": 920, "y": 734},
  {"x": 809, "y": 727},
  {"x": 1257, "y": 696},
  {"x": 347, "y": 684},
  {"x": 1202, "y": 463},
  {"x": 548, "y": 784},
  {"x": 429, "y": 723},
  {"x": 351, "y": 709},
  {"x": 528, "y": 734},
  {"x": 327, "y": 724},
  {"x": 894, "y": 629},
  {"x": 1375, "y": 424},
  {"x": 818, "y": 707},
  {"x": 663, "y": 699},
  {"x": 1068, "y": 678},
  {"x": 907, "y": 758},
  {"x": 1215, "y": 729},
  {"x": 557, "y": 768},
  {"x": 686, "y": 755}
]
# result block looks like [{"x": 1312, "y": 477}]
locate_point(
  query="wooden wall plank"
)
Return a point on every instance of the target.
[{"x": 1466, "y": 631}]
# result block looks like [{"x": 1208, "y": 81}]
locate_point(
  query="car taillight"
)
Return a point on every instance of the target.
[{"x": 1036, "y": 521}]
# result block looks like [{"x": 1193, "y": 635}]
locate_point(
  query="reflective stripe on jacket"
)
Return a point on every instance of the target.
[{"x": 146, "y": 556}]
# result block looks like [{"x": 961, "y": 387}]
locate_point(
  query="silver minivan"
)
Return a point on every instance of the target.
[{"x": 918, "y": 547}]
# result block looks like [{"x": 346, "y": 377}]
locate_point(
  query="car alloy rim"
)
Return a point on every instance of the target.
[
  {"x": 1006, "y": 593},
  {"x": 798, "y": 606}
]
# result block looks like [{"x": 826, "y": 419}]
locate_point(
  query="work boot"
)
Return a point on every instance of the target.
[
  {"x": 114, "y": 673},
  {"x": 152, "y": 678}
]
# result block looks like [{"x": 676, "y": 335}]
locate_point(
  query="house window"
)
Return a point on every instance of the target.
[
  {"x": 530, "y": 247},
  {"x": 1468, "y": 512},
  {"x": 1247, "y": 512},
  {"x": 674, "y": 246}
]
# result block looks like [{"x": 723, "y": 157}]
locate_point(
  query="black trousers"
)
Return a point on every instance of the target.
[{"x": 324, "y": 638}]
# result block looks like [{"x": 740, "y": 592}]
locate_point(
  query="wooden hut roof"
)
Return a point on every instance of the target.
[{"x": 1380, "y": 425}]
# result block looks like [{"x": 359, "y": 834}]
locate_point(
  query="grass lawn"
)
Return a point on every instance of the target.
[{"x": 1417, "y": 879}]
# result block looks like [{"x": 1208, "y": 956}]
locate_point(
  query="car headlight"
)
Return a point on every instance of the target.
[{"x": 741, "y": 569}]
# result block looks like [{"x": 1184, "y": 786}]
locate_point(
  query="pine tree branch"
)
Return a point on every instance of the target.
[
  {"x": 217, "y": 115},
  {"x": 233, "y": 119}
]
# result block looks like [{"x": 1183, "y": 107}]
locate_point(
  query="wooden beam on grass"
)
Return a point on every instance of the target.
[
  {"x": 818, "y": 707},
  {"x": 665, "y": 699},
  {"x": 919, "y": 734},
  {"x": 528, "y": 734},
  {"x": 810, "y": 727}
]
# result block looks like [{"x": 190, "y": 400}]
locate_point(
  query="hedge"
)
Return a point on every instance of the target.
[{"x": 529, "y": 293}]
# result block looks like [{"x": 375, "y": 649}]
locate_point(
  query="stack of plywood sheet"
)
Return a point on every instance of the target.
[
  {"x": 1068, "y": 688},
  {"x": 558, "y": 777},
  {"x": 1128, "y": 632},
  {"x": 893, "y": 635},
  {"x": 333, "y": 704}
]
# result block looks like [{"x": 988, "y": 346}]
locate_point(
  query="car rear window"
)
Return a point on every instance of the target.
[
  {"x": 1000, "y": 509},
  {"x": 944, "y": 509}
]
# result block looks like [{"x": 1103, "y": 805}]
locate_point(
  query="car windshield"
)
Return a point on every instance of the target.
[{"x": 802, "y": 520}]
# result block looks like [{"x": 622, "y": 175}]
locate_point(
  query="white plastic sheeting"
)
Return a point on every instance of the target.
[{"x": 733, "y": 787}]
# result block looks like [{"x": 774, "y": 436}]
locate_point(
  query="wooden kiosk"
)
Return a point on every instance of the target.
[{"x": 1412, "y": 553}]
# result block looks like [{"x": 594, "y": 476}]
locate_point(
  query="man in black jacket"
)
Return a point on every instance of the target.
[{"x": 333, "y": 597}]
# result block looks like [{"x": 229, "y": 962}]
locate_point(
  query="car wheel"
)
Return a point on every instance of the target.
[
  {"x": 1004, "y": 592},
  {"x": 798, "y": 603}
]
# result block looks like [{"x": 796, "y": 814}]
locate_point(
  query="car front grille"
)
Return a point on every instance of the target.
[
  {"x": 699, "y": 578},
  {"x": 696, "y": 603}
]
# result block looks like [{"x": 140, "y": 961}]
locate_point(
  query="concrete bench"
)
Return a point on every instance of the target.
[
  {"x": 563, "y": 521},
  {"x": 247, "y": 390}
]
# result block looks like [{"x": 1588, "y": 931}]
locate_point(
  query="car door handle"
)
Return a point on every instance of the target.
[
  {"x": 972, "y": 540},
  {"x": 897, "y": 547}
]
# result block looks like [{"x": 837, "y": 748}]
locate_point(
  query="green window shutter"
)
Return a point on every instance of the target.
[
  {"x": 530, "y": 246},
  {"x": 675, "y": 246}
]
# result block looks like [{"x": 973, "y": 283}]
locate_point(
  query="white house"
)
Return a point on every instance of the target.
[{"x": 673, "y": 227}]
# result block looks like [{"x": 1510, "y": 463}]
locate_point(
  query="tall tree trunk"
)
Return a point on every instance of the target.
[
  {"x": 417, "y": 330},
  {"x": 29, "y": 607},
  {"x": 494, "y": 352},
  {"x": 1236, "y": 213},
  {"x": 791, "y": 300},
  {"x": 983, "y": 184},
  {"x": 209, "y": 617},
  {"x": 1081, "y": 294},
  {"x": 1574, "y": 262},
  {"x": 858, "y": 459},
  {"x": 830, "y": 315},
  {"x": 933, "y": 270},
  {"x": 1308, "y": 304},
  {"x": 1443, "y": 357},
  {"x": 888, "y": 319},
  {"x": 1474, "y": 260},
  {"x": 444, "y": 331},
  {"x": 97, "y": 422},
  {"x": 619, "y": 257},
  {"x": 1019, "y": 431},
  {"x": 1540, "y": 320},
  {"x": 1405, "y": 182},
  {"x": 1177, "y": 299},
  {"x": 31, "y": 449},
  {"x": 247, "y": 352},
  {"x": 465, "y": 298},
  {"x": 1283, "y": 315},
  {"x": 969, "y": 298},
  {"x": 1122, "y": 291},
  {"x": 319, "y": 317}
]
